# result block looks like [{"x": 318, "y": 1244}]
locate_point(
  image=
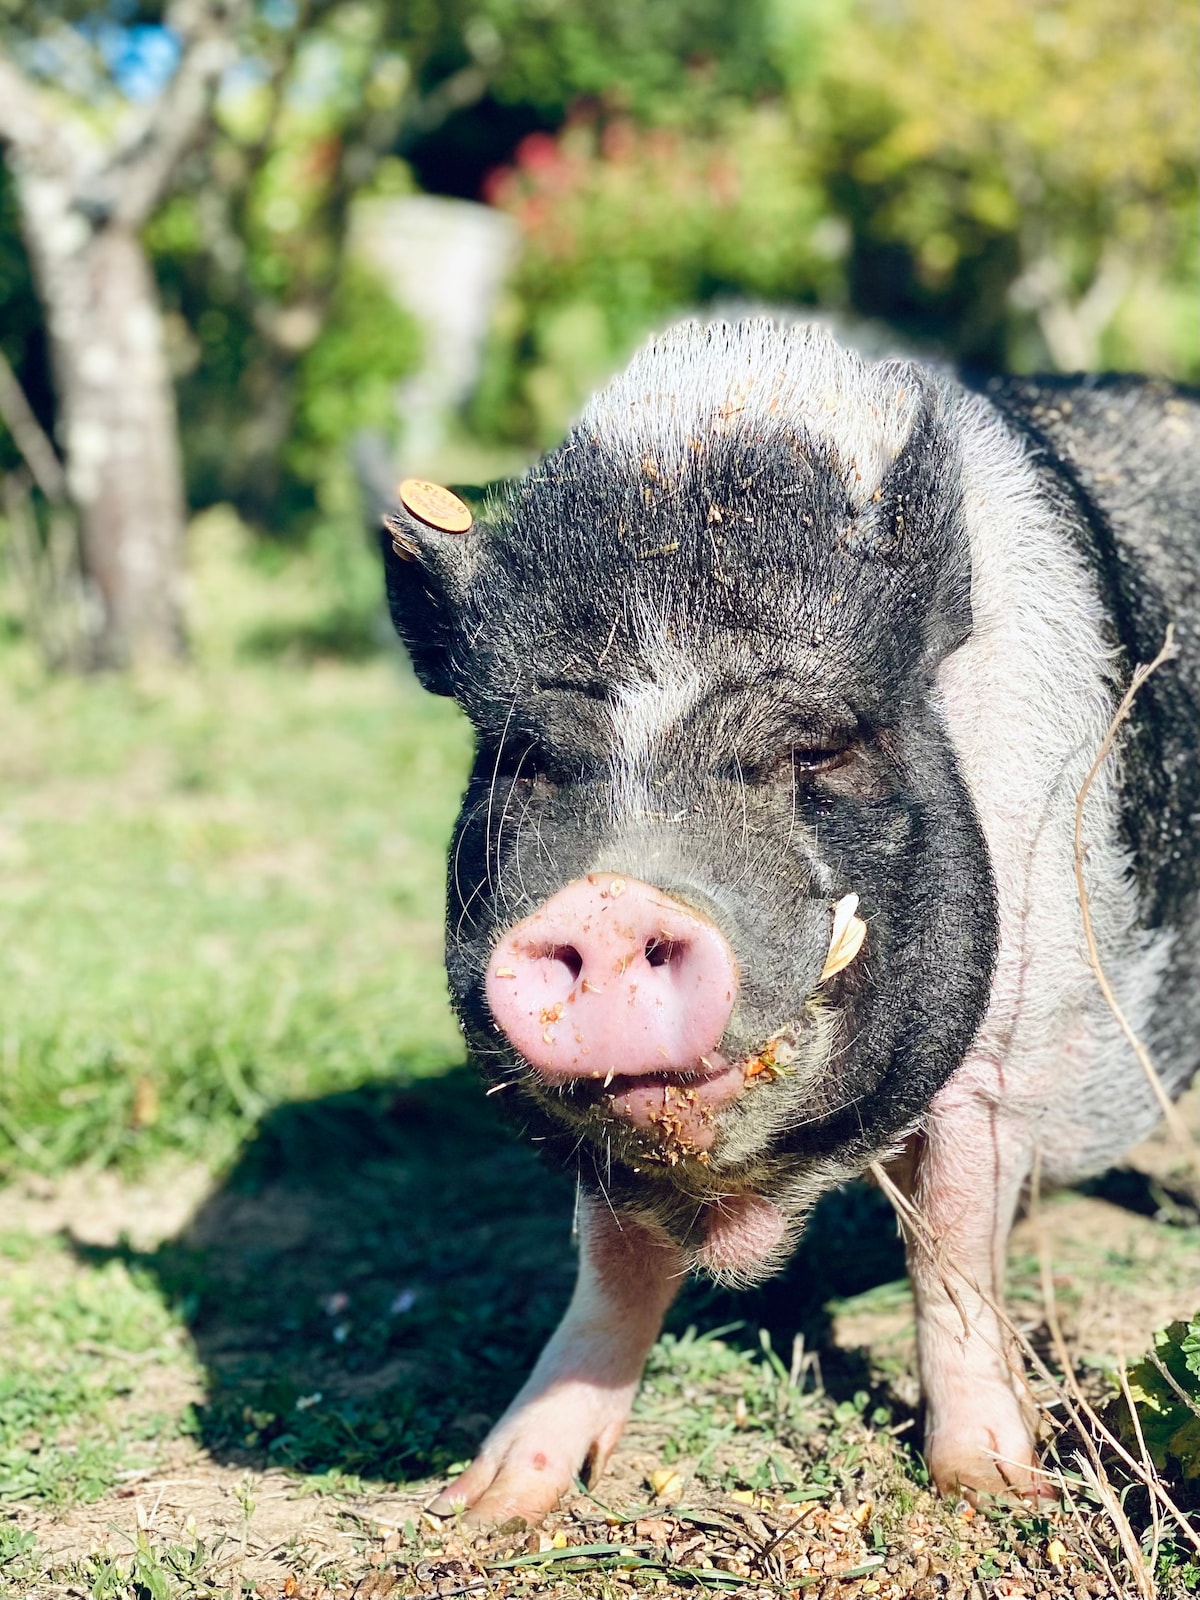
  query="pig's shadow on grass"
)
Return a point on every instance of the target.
[{"x": 370, "y": 1284}]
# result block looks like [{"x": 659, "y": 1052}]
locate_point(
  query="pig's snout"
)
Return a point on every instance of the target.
[{"x": 611, "y": 976}]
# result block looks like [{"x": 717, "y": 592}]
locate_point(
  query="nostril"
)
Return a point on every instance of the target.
[
  {"x": 570, "y": 958},
  {"x": 660, "y": 950},
  {"x": 599, "y": 981}
]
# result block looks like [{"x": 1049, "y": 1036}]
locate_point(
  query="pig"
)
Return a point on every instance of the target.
[{"x": 777, "y": 626}]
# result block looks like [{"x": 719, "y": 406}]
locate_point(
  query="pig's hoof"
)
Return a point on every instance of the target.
[
  {"x": 987, "y": 1468},
  {"x": 534, "y": 1455},
  {"x": 522, "y": 1485}
]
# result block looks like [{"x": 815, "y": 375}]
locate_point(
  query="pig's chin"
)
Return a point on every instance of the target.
[{"x": 678, "y": 1109}]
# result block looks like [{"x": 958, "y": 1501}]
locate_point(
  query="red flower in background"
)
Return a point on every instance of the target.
[{"x": 539, "y": 153}]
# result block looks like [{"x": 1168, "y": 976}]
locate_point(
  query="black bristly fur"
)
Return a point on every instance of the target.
[
  {"x": 805, "y": 600},
  {"x": 809, "y": 614}
]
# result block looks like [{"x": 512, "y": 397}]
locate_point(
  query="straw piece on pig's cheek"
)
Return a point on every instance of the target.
[{"x": 849, "y": 932}]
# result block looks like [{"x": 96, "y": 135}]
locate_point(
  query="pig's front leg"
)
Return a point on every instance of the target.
[
  {"x": 568, "y": 1417},
  {"x": 965, "y": 1174}
]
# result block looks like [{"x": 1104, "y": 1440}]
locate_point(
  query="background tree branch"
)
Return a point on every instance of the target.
[
  {"x": 40, "y": 455},
  {"x": 37, "y": 136},
  {"x": 137, "y": 173}
]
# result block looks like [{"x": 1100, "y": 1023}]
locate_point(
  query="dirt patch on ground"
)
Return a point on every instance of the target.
[
  {"x": 256, "y": 1528},
  {"x": 360, "y": 1317},
  {"x": 102, "y": 1208}
]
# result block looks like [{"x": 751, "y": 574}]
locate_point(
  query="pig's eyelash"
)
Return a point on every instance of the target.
[
  {"x": 593, "y": 689},
  {"x": 822, "y": 754},
  {"x": 798, "y": 762},
  {"x": 819, "y": 758}
]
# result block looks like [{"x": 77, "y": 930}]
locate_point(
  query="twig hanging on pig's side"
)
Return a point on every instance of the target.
[
  {"x": 1067, "y": 1393},
  {"x": 1175, "y": 1122}
]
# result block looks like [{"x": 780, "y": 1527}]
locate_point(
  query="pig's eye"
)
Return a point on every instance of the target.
[
  {"x": 535, "y": 766},
  {"x": 801, "y": 761},
  {"x": 531, "y": 768},
  {"x": 819, "y": 758}
]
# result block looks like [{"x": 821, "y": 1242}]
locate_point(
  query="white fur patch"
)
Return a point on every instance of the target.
[
  {"x": 1027, "y": 700},
  {"x": 701, "y": 379},
  {"x": 642, "y": 715}
]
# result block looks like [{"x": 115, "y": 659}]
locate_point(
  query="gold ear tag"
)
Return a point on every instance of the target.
[
  {"x": 437, "y": 507},
  {"x": 849, "y": 932}
]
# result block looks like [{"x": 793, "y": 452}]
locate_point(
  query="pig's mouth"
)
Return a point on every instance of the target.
[{"x": 677, "y": 1110}]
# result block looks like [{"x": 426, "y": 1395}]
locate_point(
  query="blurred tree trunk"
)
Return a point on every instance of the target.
[
  {"x": 117, "y": 426},
  {"x": 83, "y": 204}
]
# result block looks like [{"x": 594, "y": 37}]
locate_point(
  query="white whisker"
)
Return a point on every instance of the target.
[{"x": 487, "y": 836}]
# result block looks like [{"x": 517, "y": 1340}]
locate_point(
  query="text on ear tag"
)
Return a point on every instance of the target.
[{"x": 435, "y": 505}]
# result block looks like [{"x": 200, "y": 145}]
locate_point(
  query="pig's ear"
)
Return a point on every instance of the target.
[
  {"x": 919, "y": 526},
  {"x": 428, "y": 571}
]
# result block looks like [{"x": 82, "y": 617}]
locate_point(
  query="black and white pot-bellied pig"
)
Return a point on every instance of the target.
[{"x": 777, "y": 627}]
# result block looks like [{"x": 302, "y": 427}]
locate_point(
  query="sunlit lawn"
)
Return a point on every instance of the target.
[
  {"x": 220, "y": 889},
  {"x": 221, "y": 899}
]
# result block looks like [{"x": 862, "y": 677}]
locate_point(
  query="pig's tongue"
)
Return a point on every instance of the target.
[{"x": 681, "y": 1112}]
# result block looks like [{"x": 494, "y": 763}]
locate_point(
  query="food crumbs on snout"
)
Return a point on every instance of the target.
[
  {"x": 550, "y": 1014},
  {"x": 505, "y": 972},
  {"x": 846, "y": 940},
  {"x": 764, "y": 1067},
  {"x": 614, "y": 891},
  {"x": 672, "y": 1126},
  {"x": 773, "y": 1060}
]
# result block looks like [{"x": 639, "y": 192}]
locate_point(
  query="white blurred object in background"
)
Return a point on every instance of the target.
[{"x": 445, "y": 261}]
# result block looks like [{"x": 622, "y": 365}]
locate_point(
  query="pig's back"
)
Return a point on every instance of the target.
[{"x": 1121, "y": 457}]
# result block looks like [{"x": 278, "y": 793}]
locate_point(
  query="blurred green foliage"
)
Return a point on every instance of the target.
[
  {"x": 1010, "y": 185},
  {"x": 624, "y": 224},
  {"x": 284, "y": 348},
  {"x": 1021, "y": 177},
  {"x": 345, "y": 381},
  {"x": 236, "y": 898}
]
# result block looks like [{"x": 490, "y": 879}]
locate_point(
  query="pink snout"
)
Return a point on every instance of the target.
[{"x": 611, "y": 976}]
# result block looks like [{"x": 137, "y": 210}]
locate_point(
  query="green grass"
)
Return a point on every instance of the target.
[
  {"x": 221, "y": 897},
  {"x": 74, "y": 1406},
  {"x": 219, "y": 890}
]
